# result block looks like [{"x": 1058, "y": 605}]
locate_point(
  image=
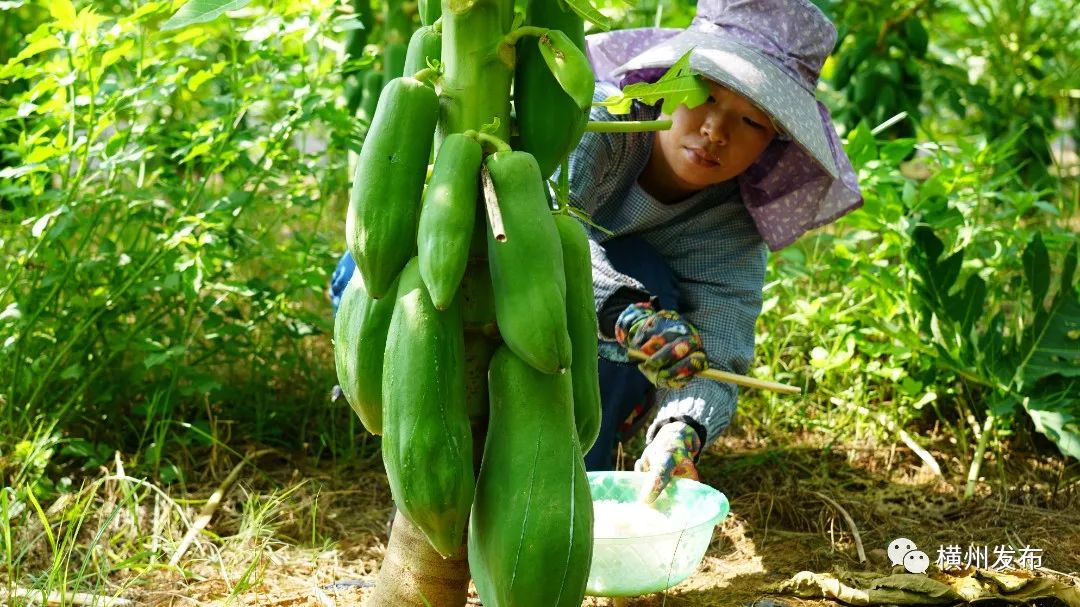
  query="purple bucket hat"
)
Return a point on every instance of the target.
[{"x": 771, "y": 52}]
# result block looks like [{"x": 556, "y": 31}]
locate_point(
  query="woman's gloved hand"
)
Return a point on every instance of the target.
[
  {"x": 669, "y": 455},
  {"x": 673, "y": 345}
]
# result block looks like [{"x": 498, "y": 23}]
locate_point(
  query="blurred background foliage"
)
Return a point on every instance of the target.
[{"x": 171, "y": 206}]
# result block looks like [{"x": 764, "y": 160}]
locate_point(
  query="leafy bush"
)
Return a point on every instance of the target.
[
  {"x": 171, "y": 204},
  {"x": 938, "y": 293}
]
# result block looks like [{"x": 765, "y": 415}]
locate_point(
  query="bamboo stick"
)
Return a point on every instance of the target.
[{"x": 733, "y": 378}]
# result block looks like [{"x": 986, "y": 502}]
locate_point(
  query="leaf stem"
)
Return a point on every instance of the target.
[
  {"x": 427, "y": 76},
  {"x": 628, "y": 126},
  {"x": 489, "y": 141},
  {"x": 512, "y": 38}
]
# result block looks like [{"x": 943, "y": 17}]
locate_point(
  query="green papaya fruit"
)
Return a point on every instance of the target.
[
  {"x": 425, "y": 44},
  {"x": 369, "y": 95},
  {"x": 430, "y": 11},
  {"x": 360, "y": 328},
  {"x": 570, "y": 67},
  {"x": 427, "y": 438},
  {"x": 550, "y": 123},
  {"x": 582, "y": 324},
  {"x": 448, "y": 216},
  {"x": 384, "y": 208},
  {"x": 530, "y": 533},
  {"x": 527, "y": 268},
  {"x": 393, "y": 61}
]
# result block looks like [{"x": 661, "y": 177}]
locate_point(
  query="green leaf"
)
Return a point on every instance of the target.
[
  {"x": 1051, "y": 345},
  {"x": 678, "y": 86},
  {"x": 588, "y": 12},
  {"x": 1037, "y": 269},
  {"x": 201, "y": 11},
  {"x": 38, "y": 46},
  {"x": 1055, "y": 410},
  {"x": 1069, "y": 268},
  {"x": 63, "y": 12},
  {"x": 936, "y": 278},
  {"x": 861, "y": 147},
  {"x": 967, "y": 307}
]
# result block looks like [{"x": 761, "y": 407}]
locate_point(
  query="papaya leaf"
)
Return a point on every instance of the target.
[
  {"x": 201, "y": 11},
  {"x": 1069, "y": 268},
  {"x": 1055, "y": 410},
  {"x": 678, "y": 86},
  {"x": 935, "y": 278},
  {"x": 993, "y": 354},
  {"x": 1051, "y": 344},
  {"x": 588, "y": 12},
  {"x": 1037, "y": 269},
  {"x": 967, "y": 307}
]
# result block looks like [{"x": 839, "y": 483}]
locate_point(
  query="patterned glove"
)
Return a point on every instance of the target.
[
  {"x": 673, "y": 345},
  {"x": 669, "y": 455}
]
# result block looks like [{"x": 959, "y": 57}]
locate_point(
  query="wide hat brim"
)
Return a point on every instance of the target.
[{"x": 752, "y": 75}]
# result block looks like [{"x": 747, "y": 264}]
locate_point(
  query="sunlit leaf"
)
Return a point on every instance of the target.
[
  {"x": 678, "y": 86},
  {"x": 38, "y": 46},
  {"x": 113, "y": 55},
  {"x": 1055, "y": 410},
  {"x": 148, "y": 8},
  {"x": 201, "y": 11},
  {"x": 588, "y": 12},
  {"x": 63, "y": 12}
]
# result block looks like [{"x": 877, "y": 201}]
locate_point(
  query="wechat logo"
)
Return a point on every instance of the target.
[{"x": 903, "y": 551}]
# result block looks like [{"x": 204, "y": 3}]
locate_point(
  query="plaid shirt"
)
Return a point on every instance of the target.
[{"x": 708, "y": 240}]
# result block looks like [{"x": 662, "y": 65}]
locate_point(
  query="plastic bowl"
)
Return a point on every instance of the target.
[{"x": 632, "y": 566}]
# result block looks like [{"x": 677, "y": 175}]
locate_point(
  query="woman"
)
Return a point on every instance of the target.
[{"x": 695, "y": 208}]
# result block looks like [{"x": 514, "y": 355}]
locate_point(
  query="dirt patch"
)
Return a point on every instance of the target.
[{"x": 788, "y": 515}]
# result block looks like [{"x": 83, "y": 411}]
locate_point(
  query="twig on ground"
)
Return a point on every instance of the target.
[
  {"x": 210, "y": 507},
  {"x": 1067, "y": 575},
  {"x": 63, "y": 598},
  {"x": 905, "y": 438},
  {"x": 850, "y": 523}
]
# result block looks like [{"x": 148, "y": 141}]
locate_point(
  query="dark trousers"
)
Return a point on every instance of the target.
[{"x": 624, "y": 391}]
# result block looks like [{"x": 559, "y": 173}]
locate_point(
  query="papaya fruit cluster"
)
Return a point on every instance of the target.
[{"x": 424, "y": 316}]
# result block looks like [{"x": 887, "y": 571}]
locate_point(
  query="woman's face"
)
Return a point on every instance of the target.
[{"x": 706, "y": 145}]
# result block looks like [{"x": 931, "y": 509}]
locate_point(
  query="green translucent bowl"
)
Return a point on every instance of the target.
[{"x": 632, "y": 566}]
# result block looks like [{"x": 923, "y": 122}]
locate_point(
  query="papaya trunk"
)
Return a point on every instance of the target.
[
  {"x": 413, "y": 573},
  {"x": 475, "y": 92},
  {"x": 476, "y": 84}
]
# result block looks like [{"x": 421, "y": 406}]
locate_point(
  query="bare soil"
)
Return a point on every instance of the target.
[{"x": 330, "y": 533}]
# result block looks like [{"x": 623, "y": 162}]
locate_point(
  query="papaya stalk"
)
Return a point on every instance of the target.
[
  {"x": 476, "y": 80},
  {"x": 474, "y": 93}
]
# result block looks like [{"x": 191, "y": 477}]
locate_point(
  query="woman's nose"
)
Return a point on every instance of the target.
[{"x": 713, "y": 128}]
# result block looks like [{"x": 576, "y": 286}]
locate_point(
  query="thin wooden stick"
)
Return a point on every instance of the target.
[
  {"x": 491, "y": 203},
  {"x": 210, "y": 507},
  {"x": 733, "y": 378},
  {"x": 850, "y": 523}
]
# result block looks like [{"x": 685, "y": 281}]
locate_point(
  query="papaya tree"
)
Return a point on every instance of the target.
[{"x": 481, "y": 407}]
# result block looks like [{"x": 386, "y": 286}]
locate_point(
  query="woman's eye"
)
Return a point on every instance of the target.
[
  {"x": 711, "y": 99},
  {"x": 753, "y": 123}
]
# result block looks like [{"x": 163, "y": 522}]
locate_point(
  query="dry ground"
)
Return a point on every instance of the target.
[{"x": 328, "y": 525}]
